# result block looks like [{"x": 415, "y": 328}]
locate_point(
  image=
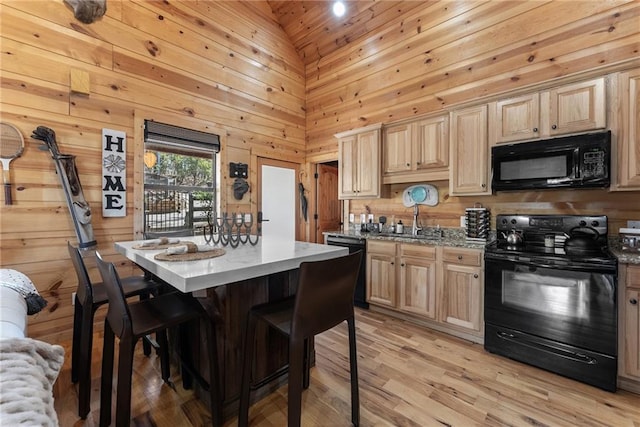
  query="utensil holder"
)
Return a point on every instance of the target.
[{"x": 477, "y": 224}]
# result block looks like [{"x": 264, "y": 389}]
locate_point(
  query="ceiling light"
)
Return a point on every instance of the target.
[{"x": 339, "y": 8}]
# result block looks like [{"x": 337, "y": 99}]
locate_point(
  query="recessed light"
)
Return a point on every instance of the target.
[{"x": 339, "y": 8}]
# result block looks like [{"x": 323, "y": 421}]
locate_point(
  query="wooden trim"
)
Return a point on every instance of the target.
[{"x": 358, "y": 130}]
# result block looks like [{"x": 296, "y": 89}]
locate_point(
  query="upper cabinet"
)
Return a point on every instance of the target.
[
  {"x": 416, "y": 151},
  {"x": 359, "y": 163},
  {"x": 515, "y": 119},
  {"x": 627, "y": 153},
  {"x": 469, "y": 174},
  {"x": 576, "y": 107},
  {"x": 572, "y": 108}
]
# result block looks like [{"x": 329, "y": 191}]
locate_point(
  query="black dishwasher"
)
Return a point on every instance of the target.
[{"x": 355, "y": 244}]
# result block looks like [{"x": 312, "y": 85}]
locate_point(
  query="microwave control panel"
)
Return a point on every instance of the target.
[{"x": 594, "y": 163}]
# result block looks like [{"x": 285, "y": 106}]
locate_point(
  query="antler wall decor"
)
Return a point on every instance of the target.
[{"x": 87, "y": 11}]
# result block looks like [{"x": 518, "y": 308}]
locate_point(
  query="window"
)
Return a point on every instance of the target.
[{"x": 180, "y": 179}]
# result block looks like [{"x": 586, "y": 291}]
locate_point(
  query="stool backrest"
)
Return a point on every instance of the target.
[
  {"x": 118, "y": 313},
  {"x": 84, "y": 292},
  {"x": 324, "y": 297}
]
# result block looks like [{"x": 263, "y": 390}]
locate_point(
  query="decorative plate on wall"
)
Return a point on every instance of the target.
[{"x": 421, "y": 194}]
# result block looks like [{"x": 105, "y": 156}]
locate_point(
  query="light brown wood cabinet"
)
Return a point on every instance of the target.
[
  {"x": 441, "y": 286},
  {"x": 576, "y": 107},
  {"x": 629, "y": 327},
  {"x": 572, "y": 108},
  {"x": 462, "y": 289},
  {"x": 469, "y": 172},
  {"x": 359, "y": 163},
  {"x": 381, "y": 273},
  {"x": 627, "y": 144},
  {"x": 514, "y": 119},
  {"x": 417, "y": 285},
  {"x": 416, "y": 151},
  {"x": 402, "y": 276}
]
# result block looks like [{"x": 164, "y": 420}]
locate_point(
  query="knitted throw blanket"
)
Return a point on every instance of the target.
[
  {"x": 20, "y": 283},
  {"x": 28, "y": 370}
]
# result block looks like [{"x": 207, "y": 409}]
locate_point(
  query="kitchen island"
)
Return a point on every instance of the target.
[{"x": 228, "y": 286}]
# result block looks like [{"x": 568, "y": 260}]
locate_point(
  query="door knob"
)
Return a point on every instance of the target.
[{"x": 260, "y": 218}]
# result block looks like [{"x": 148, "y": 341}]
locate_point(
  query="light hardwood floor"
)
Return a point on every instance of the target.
[{"x": 409, "y": 376}]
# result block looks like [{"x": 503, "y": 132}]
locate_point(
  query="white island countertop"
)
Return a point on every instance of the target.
[{"x": 244, "y": 262}]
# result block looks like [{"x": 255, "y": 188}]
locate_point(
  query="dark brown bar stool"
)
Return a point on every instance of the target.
[
  {"x": 132, "y": 321},
  {"x": 89, "y": 297},
  {"x": 323, "y": 300}
]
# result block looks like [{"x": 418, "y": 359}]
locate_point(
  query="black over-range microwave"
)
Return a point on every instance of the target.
[{"x": 578, "y": 161}]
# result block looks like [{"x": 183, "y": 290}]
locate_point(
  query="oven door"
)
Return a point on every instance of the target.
[{"x": 570, "y": 304}]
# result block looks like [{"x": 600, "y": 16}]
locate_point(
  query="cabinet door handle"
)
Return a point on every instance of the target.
[
  {"x": 633, "y": 301},
  {"x": 408, "y": 164},
  {"x": 484, "y": 185},
  {"x": 460, "y": 257},
  {"x": 554, "y": 127},
  {"x": 535, "y": 129},
  {"x": 418, "y": 163},
  {"x": 475, "y": 276},
  {"x": 393, "y": 263},
  {"x": 401, "y": 265}
]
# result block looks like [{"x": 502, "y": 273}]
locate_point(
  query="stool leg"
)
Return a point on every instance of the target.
[
  {"x": 296, "y": 355},
  {"x": 106, "y": 382},
  {"x": 161, "y": 336},
  {"x": 214, "y": 374},
  {"x": 75, "y": 343},
  {"x": 307, "y": 364},
  {"x": 84, "y": 363},
  {"x": 245, "y": 385},
  {"x": 185, "y": 355},
  {"x": 146, "y": 346},
  {"x": 353, "y": 369},
  {"x": 125, "y": 372}
]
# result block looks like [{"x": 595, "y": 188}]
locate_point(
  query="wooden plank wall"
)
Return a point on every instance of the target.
[
  {"x": 432, "y": 56},
  {"x": 227, "y": 67},
  {"x": 221, "y": 67}
]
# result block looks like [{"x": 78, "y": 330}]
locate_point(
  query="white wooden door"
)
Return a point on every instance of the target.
[{"x": 278, "y": 199}]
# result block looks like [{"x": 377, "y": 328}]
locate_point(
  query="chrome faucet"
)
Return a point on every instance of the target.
[{"x": 414, "y": 227}]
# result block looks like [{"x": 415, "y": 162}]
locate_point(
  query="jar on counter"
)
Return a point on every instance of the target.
[{"x": 399, "y": 227}]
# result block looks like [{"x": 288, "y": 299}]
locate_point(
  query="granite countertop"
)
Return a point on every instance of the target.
[
  {"x": 454, "y": 237},
  {"x": 624, "y": 257}
]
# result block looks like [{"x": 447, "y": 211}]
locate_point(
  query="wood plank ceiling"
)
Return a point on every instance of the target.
[{"x": 316, "y": 32}]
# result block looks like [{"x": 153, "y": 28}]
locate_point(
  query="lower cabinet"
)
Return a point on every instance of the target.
[
  {"x": 441, "y": 286},
  {"x": 462, "y": 289},
  {"x": 381, "y": 273},
  {"x": 629, "y": 325},
  {"x": 417, "y": 285}
]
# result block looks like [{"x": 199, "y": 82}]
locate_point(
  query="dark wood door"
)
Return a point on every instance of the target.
[{"x": 327, "y": 203}]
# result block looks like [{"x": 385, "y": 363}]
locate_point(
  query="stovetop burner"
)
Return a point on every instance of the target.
[
  {"x": 553, "y": 237},
  {"x": 596, "y": 256}
]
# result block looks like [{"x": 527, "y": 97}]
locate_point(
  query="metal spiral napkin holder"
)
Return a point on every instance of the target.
[{"x": 232, "y": 230}]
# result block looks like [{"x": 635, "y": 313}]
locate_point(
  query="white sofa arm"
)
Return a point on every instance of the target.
[{"x": 13, "y": 314}]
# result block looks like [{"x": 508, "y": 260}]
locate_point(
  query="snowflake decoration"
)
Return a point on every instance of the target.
[{"x": 114, "y": 163}]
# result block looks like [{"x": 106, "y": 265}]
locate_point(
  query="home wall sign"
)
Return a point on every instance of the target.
[{"x": 114, "y": 173}]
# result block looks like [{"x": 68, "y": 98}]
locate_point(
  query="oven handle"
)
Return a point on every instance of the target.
[{"x": 578, "y": 357}]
